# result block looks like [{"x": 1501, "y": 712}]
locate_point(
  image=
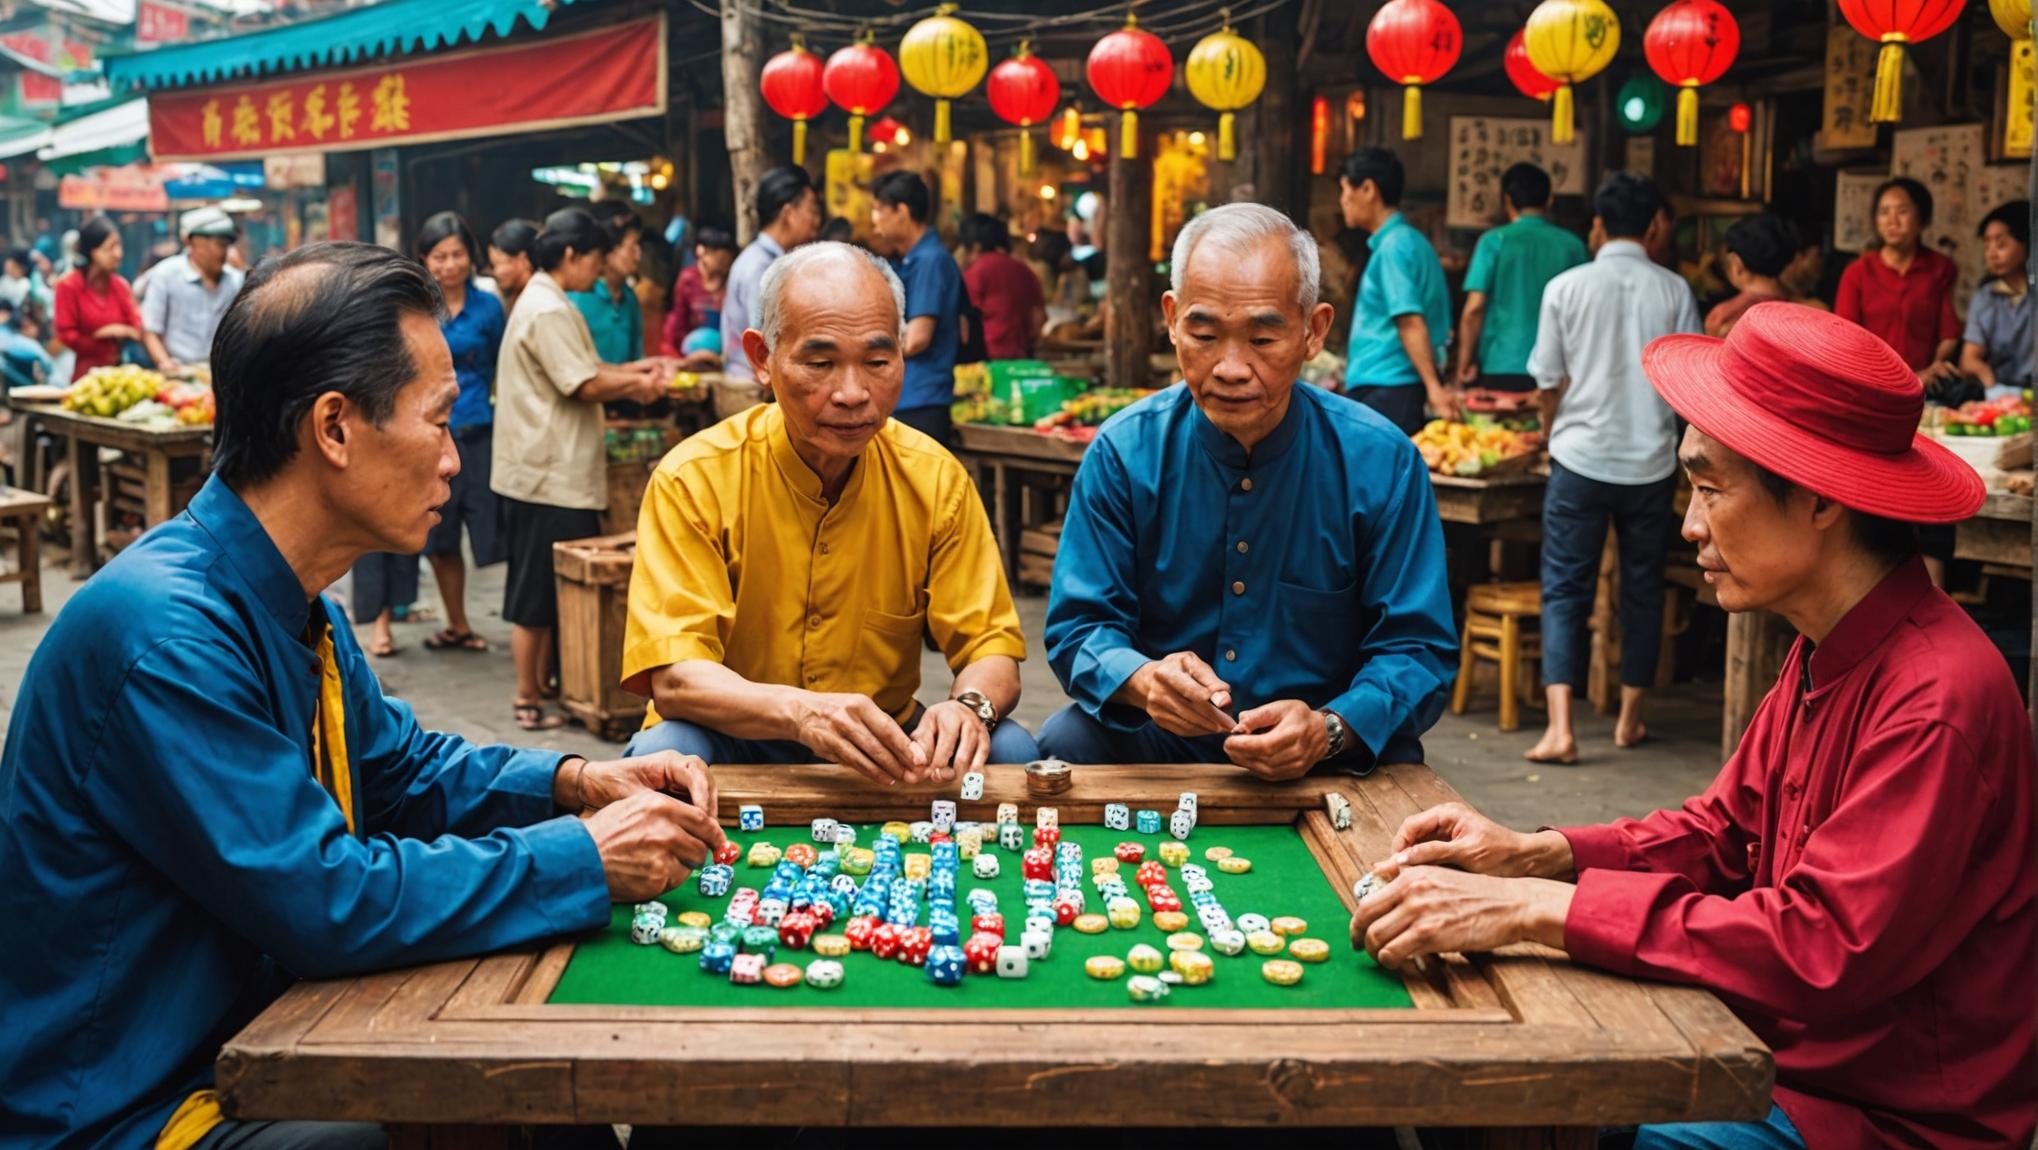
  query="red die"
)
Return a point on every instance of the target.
[
  {"x": 1046, "y": 836},
  {"x": 988, "y": 924},
  {"x": 1038, "y": 863},
  {"x": 884, "y": 941},
  {"x": 981, "y": 952},
  {"x": 728, "y": 852},
  {"x": 742, "y": 913},
  {"x": 801, "y": 855},
  {"x": 1065, "y": 911},
  {"x": 742, "y": 895},
  {"x": 1162, "y": 898},
  {"x": 859, "y": 930},
  {"x": 796, "y": 928},
  {"x": 823, "y": 914},
  {"x": 1130, "y": 852},
  {"x": 939, "y": 837},
  {"x": 914, "y": 943}
]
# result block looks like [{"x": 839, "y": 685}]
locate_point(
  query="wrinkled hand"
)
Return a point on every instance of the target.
[
  {"x": 1184, "y": 696},
  {"x": 853, "y": 731},
  {"x": 1444, "y": 402},
  {"x": 953, "y": 739},
  {"x": 649, "y": 842},
  {"x": 1280, "y": 741},
  {"x": 1454, "y": 834},
  {"x": 681, "y": 776},
  {"x": 1431, "y": 910}
]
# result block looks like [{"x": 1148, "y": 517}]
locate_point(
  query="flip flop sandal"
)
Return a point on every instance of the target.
[
  {"x": 451, "y": 640},
  {"x": 532, "y": 717}
]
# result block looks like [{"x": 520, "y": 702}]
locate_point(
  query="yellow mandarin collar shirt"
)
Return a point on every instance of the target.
[{"x": 741, "y": 562}]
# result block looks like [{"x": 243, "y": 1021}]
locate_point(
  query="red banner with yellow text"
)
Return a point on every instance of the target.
[{"x": 614, "y": 73}]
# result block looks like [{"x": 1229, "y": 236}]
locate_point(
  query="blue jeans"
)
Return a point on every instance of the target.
[
  {"x": 1010, "y": 743},
  {"x": 1576, "y": 511},
  {"x": 1775, "y": 1132},
  {"x": 1073, "y": 735}
]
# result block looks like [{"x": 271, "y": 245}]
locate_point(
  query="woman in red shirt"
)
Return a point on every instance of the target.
[
  {"x": 1902, "y": 290},
  {"x": 95, "y": 312}
]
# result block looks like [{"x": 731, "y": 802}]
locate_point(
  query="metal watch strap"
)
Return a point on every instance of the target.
[
  {"x": 986, "y": 711},
  {"x": 1334, "y": 726}
]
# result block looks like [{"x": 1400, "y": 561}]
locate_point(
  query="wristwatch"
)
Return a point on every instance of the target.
[
  {"x": 1336, "y": 729},
  {"x": 986, "y": 712}
]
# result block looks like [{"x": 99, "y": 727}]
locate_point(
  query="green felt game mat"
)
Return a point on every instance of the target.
[{"x": 607, "y": 968}]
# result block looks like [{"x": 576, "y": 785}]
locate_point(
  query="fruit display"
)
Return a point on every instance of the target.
[
  {"x": 1092, "y": 407},
  {"x": 684, "y": 382},
  {"x": 1473, "y": 448},
  {"x": 2010, "y": 415},
  {"x": 108, "y": 391}
]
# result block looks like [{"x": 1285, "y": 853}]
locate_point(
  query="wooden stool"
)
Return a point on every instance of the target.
[
  {"x": 1493, "y": 633},
  {"x": 23, "y": 510}
]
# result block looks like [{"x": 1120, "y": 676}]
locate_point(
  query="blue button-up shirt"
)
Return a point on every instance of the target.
[
  {"x": 1402, "y": 277},
  {"x": 616, "y": 322},
  {"x": 475, "y": 338},
  {"x": 739, "y": 302},
  {"x": 1312, "y": 570},
  {"x": 933, "y": 288},
  {"x": 169, "y": 862}
]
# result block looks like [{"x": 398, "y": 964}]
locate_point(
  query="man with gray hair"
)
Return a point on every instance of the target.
[
  {"x": 1250, "y": 571},
  {"x": 790, "y": 558}
]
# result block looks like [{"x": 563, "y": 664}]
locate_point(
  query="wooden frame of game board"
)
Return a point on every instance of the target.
[{"x": 1520, "y": 1038}]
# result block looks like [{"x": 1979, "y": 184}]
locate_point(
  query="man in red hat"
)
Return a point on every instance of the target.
[{"x": 1857, "y": 883}]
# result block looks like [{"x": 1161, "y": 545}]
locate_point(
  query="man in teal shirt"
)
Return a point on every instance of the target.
[
  {"x": 1504, "y": 286},
  {"x": 1401, "y": 321}
]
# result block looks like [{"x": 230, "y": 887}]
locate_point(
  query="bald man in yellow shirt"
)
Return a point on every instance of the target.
[{"x": 790, "y": 558}]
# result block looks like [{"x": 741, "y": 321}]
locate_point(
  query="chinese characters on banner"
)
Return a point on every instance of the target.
[
  {"x": 1484, "y": 147},
  {"x": 597, "y": 76},
  {"x": 1850, "y": 89}
]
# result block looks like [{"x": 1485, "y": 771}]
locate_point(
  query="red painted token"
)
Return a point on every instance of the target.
[
  {"x": 1130, "y": 852},
  {"x": 801, "y": 855},
  {"x": 728, "y": 853}
]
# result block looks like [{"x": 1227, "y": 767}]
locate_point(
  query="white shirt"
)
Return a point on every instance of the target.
[{"x": 1596, "y": 319}]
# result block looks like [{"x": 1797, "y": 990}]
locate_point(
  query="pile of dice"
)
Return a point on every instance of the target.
[{"x": 1181, "y": 824}]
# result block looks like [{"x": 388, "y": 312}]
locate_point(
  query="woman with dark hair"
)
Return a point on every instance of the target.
[
  {"x": 697, "y": 296},
  {"x": 1996, "y": 348},
  {"x": 1903, "y": 290},
  {"x": 96, "y": 315},
  {"x": 549, "y": 463},
  {"x": 1758, "y": 249},
  {"x": 509, "y": 259}
]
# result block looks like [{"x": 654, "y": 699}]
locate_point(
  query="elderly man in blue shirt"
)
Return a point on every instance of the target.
[
  {"x": 1250, "y": 571},
  {"x": 205, "y": 793}
]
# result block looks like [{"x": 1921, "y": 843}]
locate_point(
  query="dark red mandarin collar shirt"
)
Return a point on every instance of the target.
[
  {"x": 1857, "y": 884},
  {"x": 1912, "y": 310}
]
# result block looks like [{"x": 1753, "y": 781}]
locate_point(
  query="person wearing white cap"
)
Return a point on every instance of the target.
[{"x": 191, "y": 290}]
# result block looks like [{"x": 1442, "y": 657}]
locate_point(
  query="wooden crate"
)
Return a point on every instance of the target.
[
  {"x": 1037, "y": 548},
  {"x": 627, "y": 482},
  {"x": 594, "y": 590}
]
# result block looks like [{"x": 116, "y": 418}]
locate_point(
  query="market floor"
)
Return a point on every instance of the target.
[{"x": 469, "y": 693}]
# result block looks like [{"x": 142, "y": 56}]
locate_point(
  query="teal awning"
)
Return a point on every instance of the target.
[
  {"x": 395, "y": 28},
  {"x": 21, "y": 136}
]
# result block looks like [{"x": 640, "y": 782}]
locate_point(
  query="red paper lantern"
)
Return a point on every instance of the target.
[
  {"x": 1130, "y": 69},
  {"x": 1527, "y": 80},
  {"x": 1740, "y": 117},
  {"x": 791, "y": 83},
  {"x": 1023, "y": 91},
  {"x": 887, "y": 129},
  {"x": 1895, "y": 23},
  {"x": 1413, "y": 42},
  {"x": 1692, "y": 42},
  {"x": 860, "y": 79}
]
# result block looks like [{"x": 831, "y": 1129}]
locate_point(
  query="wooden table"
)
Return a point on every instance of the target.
[
  {"x": 1522, "y": 1042},
  {"x": 1482, "y": 502},
  {"x": 1018, "y": 470},
  {"x": 155, "y": 448},
  {"x": 1999, "y": 536}
]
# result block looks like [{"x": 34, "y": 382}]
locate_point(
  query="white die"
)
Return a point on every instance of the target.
[
  {"x": 845, "y": 835},
  {"x": 969, "y": 844},
  {"x": 1008, "y": 813},
  {"x": 1011, "y": 836},
  {"x": 1047, "y": 817},
  {"x": 1181, "y": 823},
  {"x": 1038, "y": 943},
  {"x": 1118, "y": 816},
  {"x": 1012, "y": 962},
  {"x": 972, "y": 786},
  {"x": 942, "y": 814},
  {"x": 1340, "y": 809},
  {"x": 1039, "y": 924},
  {"x": 750, "y": 817},
  {"x": 984, "y": 866},
  {"x": 769, "y": 912},
  {"x": 921, "y": 832},
  {"x": 1187, "y": 802},
  {"x": 824, "y": 830}
]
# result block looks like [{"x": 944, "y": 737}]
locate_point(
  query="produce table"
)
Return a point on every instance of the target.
[
  {"x": 598, "y": 1030},
  {"x": 1481, "y": 502},
  {"x": 154, "y": 447}
]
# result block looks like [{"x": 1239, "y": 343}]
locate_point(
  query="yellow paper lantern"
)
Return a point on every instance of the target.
[
  {"x": 943, "y": 57},
  {"x": 1570, "y": 41},
  {"x": 1226, "y": 72},
  {"x": 2013, "y": 17}
]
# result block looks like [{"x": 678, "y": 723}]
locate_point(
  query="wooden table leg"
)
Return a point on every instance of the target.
[
  {"x": 156, "y": 489},
  {"x": 1001, "y": 520},
  {"x": 1749, "y": 635},
  {"x": 84, "y": 497},
  {"x": 31, "y": 564}
]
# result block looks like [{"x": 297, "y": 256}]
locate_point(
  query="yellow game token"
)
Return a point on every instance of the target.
[
  {"x": 1123, "y": 913},
  {"x": 1091, "y": 924},
  {"x": 1144, "y": 959},
  {"x": 1169, "y": 921},
  {"x": 1288, "y": 926},
  {"x": 1173, "y": 854},
  {"x": 1104, "y": 864},
  {"x": 1309, "y": 950},
  {"x": 1217, "y": 854},
  {"x": 1281, "y": 972},
  {"x": 699, "y": 918},
  {"x": 1104, "y": 967},
  {"x": 1185, "y": 940},
  {"x": 831, "y": 945},
  {"x": 898, "y": 830},
  {"x": 1265, "y": 942},
  {"x": 763, "y": 855},
  {"x": 1194, "y": 967},
  {"x": 919, "y": 866},
  {"x": 1234, "y": 864}
]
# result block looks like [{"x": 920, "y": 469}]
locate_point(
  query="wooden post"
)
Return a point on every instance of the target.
[
  {"x": 1276, "y": 156},
  {"x": 742, "y": 111},
  {"x": 1128, "y": 330}
]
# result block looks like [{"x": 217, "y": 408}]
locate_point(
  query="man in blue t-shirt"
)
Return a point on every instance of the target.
[
  {"x": 899, "y": 212},
  {"x": 1401, "y": 321}
]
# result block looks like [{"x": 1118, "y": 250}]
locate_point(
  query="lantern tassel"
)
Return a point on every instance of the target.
[
  {"x": 1560, "y": 115},
  {"x": 799, "y": 142},
  {"x": 1411, "y": 112},
  {"x": 1687, "y": 117},
  {"x": 1128, "y": 133},
  {"x": 1025, "y": 151},
  {"x": 856, "y": 133},
  {"x": 1227, "y": 136},
  {"x": 940, "y": 121},
  {"x": 1889, "y": 84}
]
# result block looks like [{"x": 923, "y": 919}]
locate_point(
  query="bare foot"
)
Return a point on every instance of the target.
[
  {"x": 1552, "y": 748},
  {"x": 1630, "y": 735}
]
